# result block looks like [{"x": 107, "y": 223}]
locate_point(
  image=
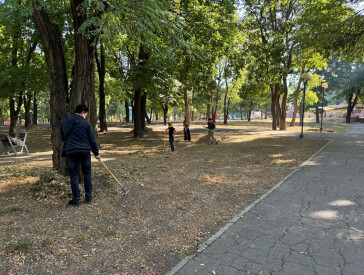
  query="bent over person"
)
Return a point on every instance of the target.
[
  {"x": 79, "y": 137},
  {"x": 211, "y": 127},
  {"x": 186, "y": 130}
]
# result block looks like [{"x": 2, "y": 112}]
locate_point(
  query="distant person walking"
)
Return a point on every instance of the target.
[
  {"x": 79, "y": 137},
  {"x": 186, "y": 130},
  {"x": 211, "y": 134},
  {"x": 172, "y": 133}
]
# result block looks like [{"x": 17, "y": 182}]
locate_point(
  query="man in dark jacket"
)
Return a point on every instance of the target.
[
  {"x": 211, "y": 134},
  {"x": 79, "y": 137}
]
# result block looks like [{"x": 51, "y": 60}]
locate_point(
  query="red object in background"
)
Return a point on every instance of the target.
[{"x": 215, "y": 117}]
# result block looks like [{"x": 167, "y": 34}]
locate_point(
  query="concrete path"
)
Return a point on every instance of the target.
[{"x": 312, "y": 223}]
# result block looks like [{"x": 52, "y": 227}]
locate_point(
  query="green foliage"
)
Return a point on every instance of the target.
[
  {"x": 22, "y": 245},
  {"x": 10, "y": 209}
]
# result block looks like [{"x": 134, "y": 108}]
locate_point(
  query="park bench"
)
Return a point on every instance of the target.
[{"x": 11, "y": 144}]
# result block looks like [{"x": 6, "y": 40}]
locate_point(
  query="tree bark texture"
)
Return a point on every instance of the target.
[
  {"x": 139, "y": 110},
  {"x": 127, "y": 116},
  {"x": 187, "y": 107},
  {"x": 132, "y": 110},
  {"x": 35, "y": 108},
  {"x": 225, "y": 109},
  {"x": 143, "y": 114},
  {"x": 83, "y": 82},
  {"x": 15, "y": 103},
  {"x": 226, "y": 104},
  {"x": 283, "y": 114},
  {"x": 14, "y": 111},
  {"x": 58, "y": 84},
  {"x": 27, "y": 107},
  {"x": 351, "y": 104},
  {"x": 101, "y": 70},
  {"x": 165, "y": 113},
  {"x": 149, "y": 119},
  {"x": 317, "y": 113},
  {"x": 137, "y": 113},
  {"x": 275, "y": 97},
  {"x": 301, "y": 112},
  {"x": 295, "y": 103},
  {"x": 208, "y": 106}
]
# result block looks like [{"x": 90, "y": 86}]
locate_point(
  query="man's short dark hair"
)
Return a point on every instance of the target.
[
  {"x": 81, "y": 108},
  {"x": 210, "y": 118}
]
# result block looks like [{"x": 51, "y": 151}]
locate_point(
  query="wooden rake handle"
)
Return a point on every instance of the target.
[{"x": 122, "y": 187}]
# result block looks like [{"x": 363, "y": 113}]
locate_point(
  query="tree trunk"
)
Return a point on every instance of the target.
[
  {"x": 14, "y": 113},
  {"x": 83, "y": 82},
  {"x": 165, "y": 113},
  {"x": 348, "y": 113},
  {"x": 35, "y": 109},
  {"x": 149, "y": 121},
  {"x": 283, "y": 114},
  {"x": 27, "y": 106},
  {"x": 127, "y": 116},
  {"x": 28, "y": 96},
  {"x": 214, "y": 110},
  {"x": 187, "y": 109},
  {"x": 139, "y": 106},
  {"x": 351, "y": 105},
  {"x": 132, "y": 111},
  {"x": 143, "y": 114},
  {"x": 150, "y": 116},
  {"x": 301, "y": 112},
  {"x": 225, "y": 108},
  {"x": 58, "y": 84},
  {"x": 156, "y": 116},
  {"x": 208, "y": 107},
  {"x": 138, "y": 113},
  {"x": 295, "y": 101},
  {"x": 101, "y": 69},
  {"x": 274, "y": 91},
  {"x": 317, "y": 114}
]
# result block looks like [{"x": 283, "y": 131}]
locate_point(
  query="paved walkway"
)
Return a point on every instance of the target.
[{"x": 313, "y": 223}]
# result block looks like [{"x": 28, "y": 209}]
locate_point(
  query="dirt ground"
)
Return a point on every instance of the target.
[{"x": 176, "y": 201}]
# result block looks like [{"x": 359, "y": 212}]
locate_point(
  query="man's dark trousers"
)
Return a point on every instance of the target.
[
  {"x": 171, "y": 142},
  {"x": 187, "y": 134},
  {"x": 73, "y": 161}
]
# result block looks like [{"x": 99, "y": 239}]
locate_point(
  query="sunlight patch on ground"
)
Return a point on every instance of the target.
[
  {"x": 342, "y": 203},
  {"x": 325, "y": 214},
  {"x": 276, "y": 155},
  {"x": 353, "y": 234},
  {"x": 311, "y": 163},
  {"x": 282, "y": 161}
]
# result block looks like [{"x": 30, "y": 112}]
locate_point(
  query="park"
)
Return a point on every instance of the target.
[{"x": 279, "y": 193}]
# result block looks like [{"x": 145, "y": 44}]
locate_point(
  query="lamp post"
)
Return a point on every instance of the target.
[
  {"x": 306, "y": 77},
  {"x": 324, "y": 87}
]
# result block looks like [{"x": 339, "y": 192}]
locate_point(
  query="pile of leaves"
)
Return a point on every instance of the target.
[
  {"x": 51, "y": 186},
  {"x": 205, "y": 140}
]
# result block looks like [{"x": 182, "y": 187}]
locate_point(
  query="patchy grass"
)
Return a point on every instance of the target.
[
  {"x": 10, "y": 209},
  {"x": 176, "y": 201},
  {"x": 330, "y": 125},
  {"x": 22, "y": 245}
]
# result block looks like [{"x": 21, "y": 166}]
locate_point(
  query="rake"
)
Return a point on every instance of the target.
[{"x": 118, "y": 182}]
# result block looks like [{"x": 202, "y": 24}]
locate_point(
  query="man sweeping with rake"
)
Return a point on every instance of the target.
[{"x": 79, "y": 138}]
